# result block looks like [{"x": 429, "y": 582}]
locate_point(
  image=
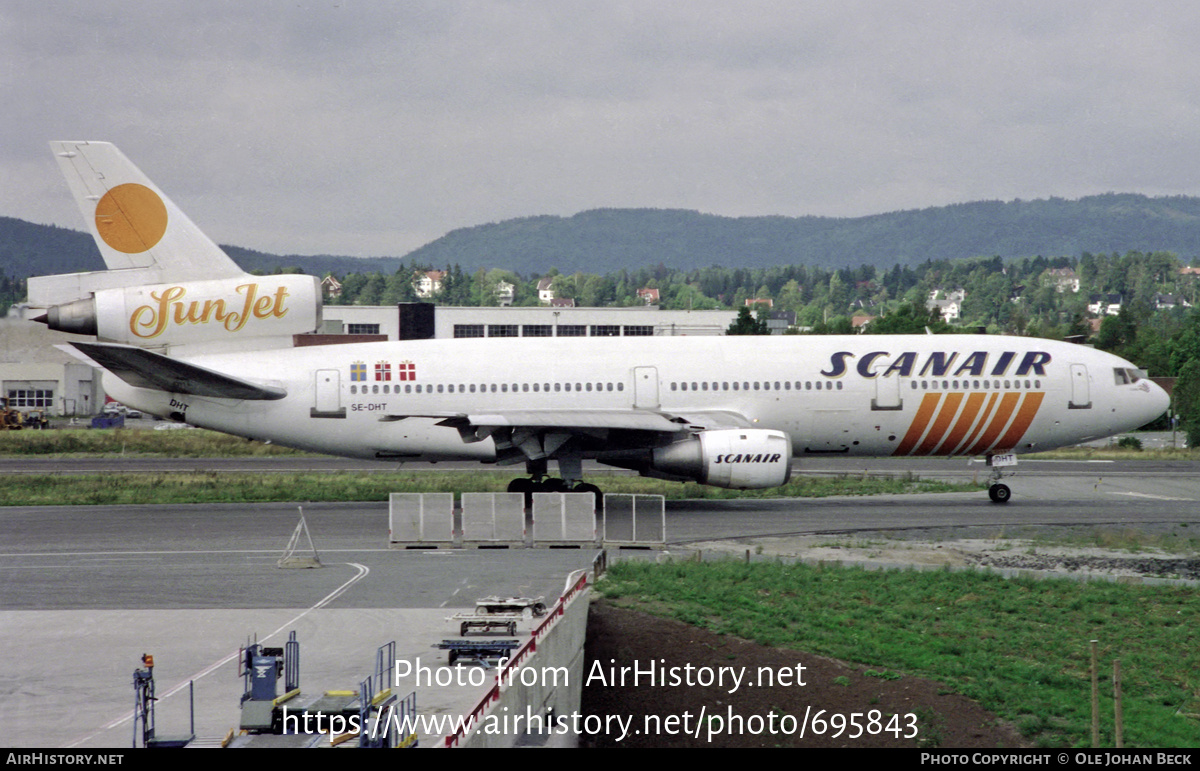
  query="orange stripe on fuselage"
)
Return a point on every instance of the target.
[
  {"x": 1008, "y": 403},
  {"x": 965, "y": 421},
  {"x": 984, "y": 417},
  {"x": 1025, "y": 416},
  {"x": 917, "y": 428},
  {"x": 944, "y": 419},
  {"x": 980, "y": 426}
]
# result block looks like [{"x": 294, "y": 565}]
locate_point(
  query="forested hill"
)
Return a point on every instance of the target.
[
  {"x": 612, "y": 239},
  {"x": 27, "y": 250}
]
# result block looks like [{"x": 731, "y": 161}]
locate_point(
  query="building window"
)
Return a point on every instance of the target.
[
  {"x": 502, "y": 330},
  {"x": 572, "y": 330},
  {"x": 35, "y": 398},
  {"x": 606, "y": 330},
  {"x": 537, "y": 330},
  {"x": 468, "y": 330},
  {"x": 362, "y": 329},
  {"x": 639, "y": 331}
]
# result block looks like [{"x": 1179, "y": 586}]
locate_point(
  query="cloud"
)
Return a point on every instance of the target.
[{"x": 373, "y": 128}]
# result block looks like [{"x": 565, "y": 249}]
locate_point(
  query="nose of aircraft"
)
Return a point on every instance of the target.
[{"x": 1156, "y": 401}]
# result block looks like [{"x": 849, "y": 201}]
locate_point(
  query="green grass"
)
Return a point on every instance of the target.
[
  {"x": 1017, "y": 646},
  {"x": 209, "y": 487},
  {"x": 1131, "y": 540},
  {"x": 1112, "y": 452},
  {"x": 214, "y": 487},
  {"x": 179, "y": 443}
]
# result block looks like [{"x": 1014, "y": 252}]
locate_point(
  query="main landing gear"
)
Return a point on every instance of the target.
[
  {"x": 550, "y": 485},
  {"x": 570, "y": 482}
]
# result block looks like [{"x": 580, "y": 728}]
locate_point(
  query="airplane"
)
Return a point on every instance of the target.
[{"x": 185, "y": 334}]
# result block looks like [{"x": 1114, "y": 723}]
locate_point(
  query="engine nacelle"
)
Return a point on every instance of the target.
[
  {"x": 196, "y": 311},
  {"x": 737, "y": 458}
]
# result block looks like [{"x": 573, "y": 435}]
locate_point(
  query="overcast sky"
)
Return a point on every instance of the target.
[{"x": 371, "y": 128}]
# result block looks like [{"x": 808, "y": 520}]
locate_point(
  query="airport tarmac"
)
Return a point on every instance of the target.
[{"x": 87, "y": 590}]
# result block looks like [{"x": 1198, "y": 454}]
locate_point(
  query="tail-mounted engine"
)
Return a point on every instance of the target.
[
  {"x": 196, "y": 311},
  {"x": 736, "y": 458}
]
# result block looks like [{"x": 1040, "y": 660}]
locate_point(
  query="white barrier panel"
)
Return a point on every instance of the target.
[
  {"x": 564, "y": 519},
  {"x": 635, "y": 520},
  {"x": 421, "y": 518},
  {"x": 493, "y": 518}
]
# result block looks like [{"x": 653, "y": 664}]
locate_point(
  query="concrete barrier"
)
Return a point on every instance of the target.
[{"x": 539, "y": 690}]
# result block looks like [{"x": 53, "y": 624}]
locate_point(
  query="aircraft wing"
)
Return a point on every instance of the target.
[
  {"x": 145, "y": 369},
  {"x": 582, "y": 420}
]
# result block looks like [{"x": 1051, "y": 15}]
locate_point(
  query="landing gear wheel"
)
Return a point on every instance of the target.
[
  {"x": 999, "y": 493},
  {"x": 521, "y": 485},
  {"x": 526, "y": 486},
  {"x": 584, "y": 487},
  {"x": 552, "y": 485}
]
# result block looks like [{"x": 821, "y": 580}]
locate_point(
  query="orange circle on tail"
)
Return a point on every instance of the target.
[{"x": 131, "y": 218}]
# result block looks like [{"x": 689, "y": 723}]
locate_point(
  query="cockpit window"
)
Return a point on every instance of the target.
[{"x": 1126, "y": 376}]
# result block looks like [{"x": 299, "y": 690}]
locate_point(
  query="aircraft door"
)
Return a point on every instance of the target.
[
  {"x": 1081, "y": 398},
  {"x": 887, "y": 394},
  {"x": 645, "y": 388},
  {"x": 327, "y": 394}
]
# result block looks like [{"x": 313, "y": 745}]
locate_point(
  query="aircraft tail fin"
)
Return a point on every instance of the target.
[
  {"x": 142, "y": 235},
  {"x": 167, "y": 283}
]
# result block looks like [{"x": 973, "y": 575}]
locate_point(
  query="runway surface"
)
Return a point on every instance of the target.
[{"x": 84, "y": 591}]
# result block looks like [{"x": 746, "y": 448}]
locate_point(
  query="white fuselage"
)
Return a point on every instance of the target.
[{"x": 852, "y": 395}]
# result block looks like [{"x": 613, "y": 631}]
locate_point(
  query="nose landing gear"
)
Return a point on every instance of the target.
[{"x": 997, "y": 491}]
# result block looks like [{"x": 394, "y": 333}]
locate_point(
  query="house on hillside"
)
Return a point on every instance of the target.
[
  {"x": 1063, "y": 279},
  {"x": 330, "y": 286},
  {"x": 427, "y": 283},
  {"x": 545, "y": 290},
  {"x": 505, "y": 293},
  {"x": 648, "y": 296},
  {"x": 1165, "y": 302},
  {"x": 1104, "y": 304},
  {"x": 949, "y": 307}
]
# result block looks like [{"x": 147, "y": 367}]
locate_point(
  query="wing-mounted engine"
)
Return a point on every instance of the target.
[
  {"x": 194, "y": 311},
  {"x": 737, "y": 458}
]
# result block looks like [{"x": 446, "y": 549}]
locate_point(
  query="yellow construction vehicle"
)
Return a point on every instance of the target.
[{"x": 10, "y": 419}]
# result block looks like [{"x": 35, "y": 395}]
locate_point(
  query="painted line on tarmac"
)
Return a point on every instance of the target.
[
  {"x": 1152, "y": 496},
  {"x": 362, "y": 571}
]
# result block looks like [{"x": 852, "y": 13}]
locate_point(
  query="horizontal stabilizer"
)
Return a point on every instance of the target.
[{"x": 145, "y": 369}]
